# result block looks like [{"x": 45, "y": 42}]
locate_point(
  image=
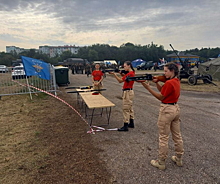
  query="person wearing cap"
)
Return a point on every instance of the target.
[
  {"x": 128, "y": 96},
  {"x": 169, "y": 116}
]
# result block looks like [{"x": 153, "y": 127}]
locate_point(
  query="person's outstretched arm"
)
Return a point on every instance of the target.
[
  {"x": 117, "y": 77},
  {"x": 159, "y": 96}
]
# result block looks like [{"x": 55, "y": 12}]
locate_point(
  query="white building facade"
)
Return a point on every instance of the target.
[
  {"x": 14, "y": 49},
  {"x": 53, "y": 51}
]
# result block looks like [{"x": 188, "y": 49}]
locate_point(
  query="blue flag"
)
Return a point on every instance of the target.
[{"x": 36, "y": 67}]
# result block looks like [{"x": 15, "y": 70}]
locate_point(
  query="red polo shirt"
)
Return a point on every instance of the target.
[
  {"x": 171, "y": 91},
  {"x": 130, "y": 83}
]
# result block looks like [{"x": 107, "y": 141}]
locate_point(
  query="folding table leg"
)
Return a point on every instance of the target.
[
  {"x": 108, "y": 113},
  {"x": 92, "y": 116},
  {"x": 82, "y": 102},
  {"x": 101, "y": 112},
  {"x": 85, "y": 111},
  {"x": 77, "y": 98}
]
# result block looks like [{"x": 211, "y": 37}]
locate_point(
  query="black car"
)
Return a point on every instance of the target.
[
  {"x": 146, "y": 66},
  {"x": 140, "y": 67}
]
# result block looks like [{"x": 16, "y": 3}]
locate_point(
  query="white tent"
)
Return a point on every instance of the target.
[{"x": 98, "y": 62}]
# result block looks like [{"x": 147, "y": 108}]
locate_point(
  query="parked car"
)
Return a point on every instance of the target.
[
  {"x": 149, "y": 65},
  {"x": 146, "y": 66},
  {"x": 3, "y": 69},
  {"x": 18, "y": 72},
  {"x": 161, "y": 66},
  {"x": 140, "y": 67}
]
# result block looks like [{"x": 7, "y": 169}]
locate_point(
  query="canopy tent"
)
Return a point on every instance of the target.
[
  {"x": 137, "y": 62},
  {"x": 211, "y": 67}
]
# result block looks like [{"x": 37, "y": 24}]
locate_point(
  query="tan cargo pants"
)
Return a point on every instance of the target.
[
  {"x": 98, "y": 87},
  {"x": 128, "y": 112},
  {"x": 169, "y": 121}
]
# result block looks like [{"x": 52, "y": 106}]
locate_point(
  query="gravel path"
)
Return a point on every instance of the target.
[{"x": 127, "y": 154}]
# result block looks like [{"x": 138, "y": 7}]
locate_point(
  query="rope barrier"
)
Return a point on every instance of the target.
[{"x": 98, "y": 129}]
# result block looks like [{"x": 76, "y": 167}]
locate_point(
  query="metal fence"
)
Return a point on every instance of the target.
[{"x": 20, "y": 84}]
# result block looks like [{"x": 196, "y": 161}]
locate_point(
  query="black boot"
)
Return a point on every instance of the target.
[
  {"x": 124, "y": 128},
  {"x": 131, "y": 124}
]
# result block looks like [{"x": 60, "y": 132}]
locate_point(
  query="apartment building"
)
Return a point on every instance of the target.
[
  {"x": 53, "y": 51},
  {"x": 14, "y": 49},
  {"x": 17, "y": 50}
]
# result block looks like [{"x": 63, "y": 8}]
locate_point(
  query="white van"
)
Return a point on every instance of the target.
[{"x": 18, "y": 72}]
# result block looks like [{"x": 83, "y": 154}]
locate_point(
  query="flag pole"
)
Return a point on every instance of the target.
[
  {"x": 28, "y": 87},
  {"x": 54, "y": 80}
]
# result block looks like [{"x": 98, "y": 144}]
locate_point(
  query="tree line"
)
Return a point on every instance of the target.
[{"x": 100, "y": 52}]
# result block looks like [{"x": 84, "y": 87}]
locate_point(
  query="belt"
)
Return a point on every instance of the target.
[
  {"x": 127, "y": 89},
  {"x": 170, "y": 103}
]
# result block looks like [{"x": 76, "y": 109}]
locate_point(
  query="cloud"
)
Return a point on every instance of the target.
[
  {"x": 187, "y": 23},
  {"x": 10, "y": 38}
]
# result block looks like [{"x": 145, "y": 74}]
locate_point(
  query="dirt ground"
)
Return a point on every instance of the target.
[{"x": 44, "y": 141}]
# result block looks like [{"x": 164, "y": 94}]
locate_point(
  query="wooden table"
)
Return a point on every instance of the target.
[{"x": 95, "y": 102}]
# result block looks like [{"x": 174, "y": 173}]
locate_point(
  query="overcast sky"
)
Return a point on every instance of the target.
[{"x": 186, "y": 24}]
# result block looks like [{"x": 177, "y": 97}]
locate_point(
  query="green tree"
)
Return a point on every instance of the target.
[
  {"x": 93, "y": 55},
  {"x": 65, "y": 55},
  {"x": 83, "y": 53},
  {"x": 127, "y": 51},
  {"x": 6, "y": 58}
]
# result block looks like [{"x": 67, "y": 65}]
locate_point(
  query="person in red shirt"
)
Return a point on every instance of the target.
[
  {"x": 128, "y": 96},
  {"x": 169, "y": 115},
  {"x": 97, "y": 78}
]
